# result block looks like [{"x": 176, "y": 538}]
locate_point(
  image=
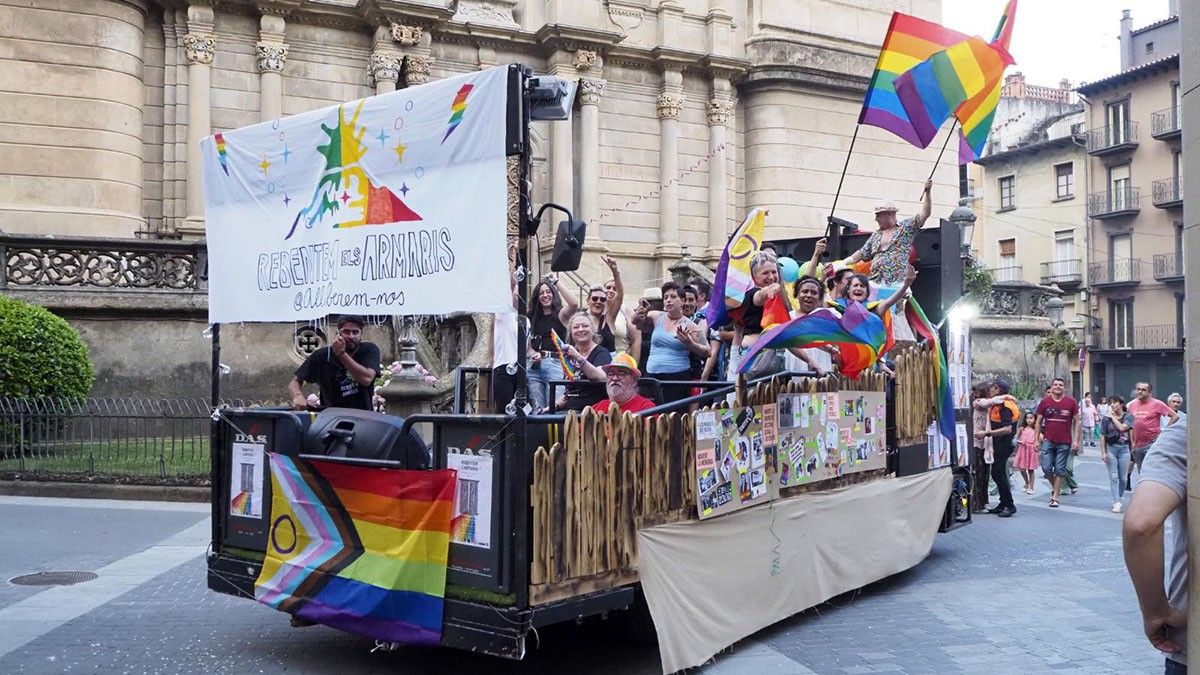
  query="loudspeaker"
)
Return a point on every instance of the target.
[
  {"x": 568, "y": 246},
  {"x": 938, "y": 262}
]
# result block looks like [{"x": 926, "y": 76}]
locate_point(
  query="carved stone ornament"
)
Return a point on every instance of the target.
[
  {"x": 271, "y": 56},
  {"x": 669, "y": 106},
  {"x": 103, "y": 265},
  {"x": 718, "y": 111},
  {"x": 625, "y": 14},
  {"x": 487, "y": 12},
  {"x": 417, "y": 68},
  {"x": 199, "y": 48},
  {"x": 407, "y": 36},
  {"x": 384, "y": 67},
  {"x": 585, "y": 60},
  {"x": 590, "y": 91},
  {"x": 1002, "y": 303}
]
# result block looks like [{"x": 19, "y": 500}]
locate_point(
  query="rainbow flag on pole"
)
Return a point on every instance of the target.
[
  {"x": 569, "y": 370},
  {"x": 909, "y": 41},
  {"x": 360, "y": 549},
  {"x": 857, "y": 333}
]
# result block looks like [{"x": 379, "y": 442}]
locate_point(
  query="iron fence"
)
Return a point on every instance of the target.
[{"x": 146, "y": 439}]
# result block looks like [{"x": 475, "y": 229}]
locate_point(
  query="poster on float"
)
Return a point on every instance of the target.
[
  {"x": 390, "y": 205},
  {"x": 735, "y": 458},
  {"x": 826, "y": 435}
]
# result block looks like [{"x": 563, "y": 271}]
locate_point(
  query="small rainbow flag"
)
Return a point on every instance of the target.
[
  {"x": 925, "y": 330},
  {"x": 222, "y": 155},
  {"x": 909, "y": 41},
  {"x": 240, "y": 504},
  {"x": 457, "y": 109},
  {"x": 568, "y": 370},
  {"x": 359, "y": 549}
]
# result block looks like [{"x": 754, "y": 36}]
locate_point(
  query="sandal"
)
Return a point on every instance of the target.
[{"x": 1054, "y": 503}]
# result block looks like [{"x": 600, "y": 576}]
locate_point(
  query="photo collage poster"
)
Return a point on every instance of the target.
[
  {"x": 826, "y": 435},
  {"x": 958, "y": 362},
  {"x": 939, "y": 446},
  {"x": 735, "y": 458}
]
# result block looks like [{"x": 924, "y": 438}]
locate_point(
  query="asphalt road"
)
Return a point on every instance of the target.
[{"x": 1043, "y": 592}]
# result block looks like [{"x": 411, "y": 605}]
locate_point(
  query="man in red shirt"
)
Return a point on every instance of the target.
[
  {"x": 621, "y": 381},
  {"x": 1147, "y": 414},
  {"x": 1058, "y": 430}
]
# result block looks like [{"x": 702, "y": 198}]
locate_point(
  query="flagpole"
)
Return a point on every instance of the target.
[
  {"x": 953, "y": 126},
  {"x": 845, "y": 166}
]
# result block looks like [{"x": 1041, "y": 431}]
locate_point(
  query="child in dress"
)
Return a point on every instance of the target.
[{"x": 1027, "y": 460}]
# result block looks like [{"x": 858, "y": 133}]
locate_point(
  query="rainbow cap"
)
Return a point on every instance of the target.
[{"x": 623, "y": 360}]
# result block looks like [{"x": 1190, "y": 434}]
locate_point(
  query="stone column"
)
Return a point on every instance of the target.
[
  {"x": 718, "y": 109},
  {"x": 272, "y": 52},
  {"x": 669, "y": 104},
  {"x": 417, "y": 68},
  {"x": 199, "y": 47},
  {"x": 590, "y": 91},
  {"x": 385, "y": 70}
]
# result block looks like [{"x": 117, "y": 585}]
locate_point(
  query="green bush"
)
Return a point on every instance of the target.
[{"x": 40, "y": 354}]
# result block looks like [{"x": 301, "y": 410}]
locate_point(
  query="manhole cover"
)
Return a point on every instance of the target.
[{"x": 53, "y": 578}]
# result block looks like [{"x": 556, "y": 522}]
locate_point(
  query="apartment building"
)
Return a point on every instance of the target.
[{"x": 1135, "y": 272}]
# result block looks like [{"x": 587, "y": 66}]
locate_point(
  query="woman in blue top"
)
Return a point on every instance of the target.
[{"x": 673, "y": 337}]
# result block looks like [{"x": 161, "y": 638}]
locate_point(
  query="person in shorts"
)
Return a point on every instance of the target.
[{"x": 1058, "y": 430}]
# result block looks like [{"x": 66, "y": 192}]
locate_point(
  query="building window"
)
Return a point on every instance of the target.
[
  {"x": 1120, "y": 316},
  {"x": 1064, "y": 267},
  {"x": 971, "y": 187},
  {"x": 1008, "y": 269},
  {"x": 1120, "y": 196},
  {"x": 1120, "y": 257},
  {"x": 1116, "y": 127},
  {"x": 1006, "y": 193},
  {"x": 1149, "y": 47},
  {"x": 1064, "y": 176}
]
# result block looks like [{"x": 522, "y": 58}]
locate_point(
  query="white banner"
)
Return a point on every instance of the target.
[{"x": 393, "y": 204}]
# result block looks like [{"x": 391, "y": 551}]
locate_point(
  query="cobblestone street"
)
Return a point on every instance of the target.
[{"x": 1043, "y": 592}]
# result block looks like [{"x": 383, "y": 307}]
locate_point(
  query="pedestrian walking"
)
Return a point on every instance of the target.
[
  {"x": 1058, "y": 432},
  {"x": 1160, "y": 578},
  {"x": 1087, "y": 418},
  {"x": 1114, "y": 448},
  {"x": 1102, "y": 410},
  {"x": 1027, "y": 451},
  {"x": 1147, "y": 414},
  {"x": 1001, "y": 419}
]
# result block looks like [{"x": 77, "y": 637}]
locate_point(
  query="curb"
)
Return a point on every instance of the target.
[{"x": 158, "y": 493}]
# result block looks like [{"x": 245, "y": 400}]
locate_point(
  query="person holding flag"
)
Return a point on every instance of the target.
[{"x": 888, "y": 248}]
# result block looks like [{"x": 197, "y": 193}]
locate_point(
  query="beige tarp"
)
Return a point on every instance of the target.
[{"x": 711, "y": 583}]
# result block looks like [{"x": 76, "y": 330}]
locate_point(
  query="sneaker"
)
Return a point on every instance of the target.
[
  {"x": 1007, "y": 512},
  {"x": 1116, "y": 507}
]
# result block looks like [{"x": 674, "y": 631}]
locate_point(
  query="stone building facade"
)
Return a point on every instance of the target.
[{"x": 688, "y": 114}]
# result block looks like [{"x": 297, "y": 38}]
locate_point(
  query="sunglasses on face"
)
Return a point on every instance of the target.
[{"x": 600, "y": 298}]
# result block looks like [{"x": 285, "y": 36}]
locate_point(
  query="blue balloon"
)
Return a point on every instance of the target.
[{"x": 789, "y": 270}]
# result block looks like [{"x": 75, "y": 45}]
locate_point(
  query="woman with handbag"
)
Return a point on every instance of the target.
[{"x": 1114, "y": 447}]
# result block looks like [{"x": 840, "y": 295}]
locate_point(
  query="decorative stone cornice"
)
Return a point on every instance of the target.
[
  {"x": 718, "y": 111},
  {"x": 669, "y": 105},
  {"x": 384, "y": 67},
  {"x": 487, "y": 12},
  {"x": 590, "y": 90},
  {"x": 585, "y": 60},
  {"x": 199, "y": 48},
  {"x": 271, "y": 56},
  {"x": 417, "y": 68},
  {"x": 407, "y": 36}
]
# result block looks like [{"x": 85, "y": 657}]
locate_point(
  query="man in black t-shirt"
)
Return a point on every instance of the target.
[{"x": 345, "y": 371}]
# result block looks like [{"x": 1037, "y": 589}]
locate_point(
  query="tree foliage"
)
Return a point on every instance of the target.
[
  {"x": 1055, "y": 343},
  {"x": 41, "y": 354}
]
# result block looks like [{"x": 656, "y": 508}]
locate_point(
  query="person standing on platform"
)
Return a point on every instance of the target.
[
  {"x": 888, "y": 249},
  {"x": 1058, "y": 430},
  {"x": 345, "y": 371}
]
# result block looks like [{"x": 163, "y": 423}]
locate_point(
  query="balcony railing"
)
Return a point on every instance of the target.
[
  {"x": 1122, "y": 201},
  {"x": 1161, "y": 336},
  {"x": 1006, "y": 273},
  {"x": 1168, "y": 193},
  {"x": 1168, "y": 267},
  {"x": 1110, "y": 139},
  {"x": 1120, "y": 272},
  {"x": 1063, "y": 272},
  {"x": 1164, "y": 124},
  {"x": 128, "y": 264}
]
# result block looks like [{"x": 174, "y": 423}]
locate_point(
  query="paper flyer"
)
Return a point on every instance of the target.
[
  {"x": 472, "y": 522},
  {"x": 246, "y": 480}
]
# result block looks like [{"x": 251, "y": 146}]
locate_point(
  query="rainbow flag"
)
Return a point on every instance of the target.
[
  {"x": 359, "y": 549},
  {"x": 909, "y": 41},
  {"x": 732, "y": 279},
  {"x": 568, "y": 370},
  {"x": 937, "y": 87},
  {"x": 222, "y": 154},
  {"x": 458, "y": 108},
  {"x": 857, "y": 333},
  {"x": 975, "y": 117},
  {"x": 925, "y": 330}
]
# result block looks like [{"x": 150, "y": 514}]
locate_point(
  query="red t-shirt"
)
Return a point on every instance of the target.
[
  {"x": 1058, "y": 419},
  {"x": 1146, "y": 419},
  {"x": 636, "y": 404}
]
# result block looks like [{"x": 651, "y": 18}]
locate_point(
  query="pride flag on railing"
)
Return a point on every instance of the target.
[
  {"x": 360, "y": 549},
  {"x": 857, "y": 333}
]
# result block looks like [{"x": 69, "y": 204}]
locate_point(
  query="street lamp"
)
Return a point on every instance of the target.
[
  {"x": 1054, "y": 310},
  {"x": 964, "y": 217}
]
